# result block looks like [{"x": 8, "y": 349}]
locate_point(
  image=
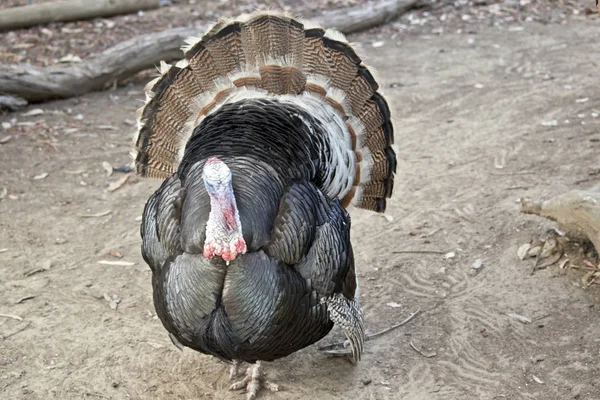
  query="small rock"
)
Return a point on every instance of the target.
[
  {"x": 450, "y": 255},
  {"x": 550, "y": 123},
  {"x": 477, "y": 264}
]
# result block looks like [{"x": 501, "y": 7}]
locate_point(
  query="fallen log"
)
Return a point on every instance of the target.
[
  {"x": 131, "y": 56},
  {"x": 12, "y": 103},
  {"x": 69, "y": 10},
  {"x": 577, "y": 213}
]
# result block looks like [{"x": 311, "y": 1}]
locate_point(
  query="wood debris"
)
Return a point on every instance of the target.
[
  {"x": 577, "y": 213},
  {"x": 24, "y": 299},
  {"x": 100, "y": 214},
  {"x": 116, "y": 185},
  {"x": 117, "y": 263},
  {"x": 421, "y": 352},
  {"x": 12, "y": 316},
  {"x": 521, "y": 318}
]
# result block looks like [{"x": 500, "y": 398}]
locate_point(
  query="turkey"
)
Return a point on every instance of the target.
[{"x": 264, "y": 133}]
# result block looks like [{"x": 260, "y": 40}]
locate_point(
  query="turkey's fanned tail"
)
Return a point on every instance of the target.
[{"x": 265, "y": 55}]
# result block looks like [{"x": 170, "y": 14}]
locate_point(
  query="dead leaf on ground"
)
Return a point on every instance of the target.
[
  {"x": 113, "y": 301},
  {"x": 477, "y": 264},
  {"x": 41, "y": 176},
  {"x": 523, "y": 251},
  {"x": 115, "y": 253}
]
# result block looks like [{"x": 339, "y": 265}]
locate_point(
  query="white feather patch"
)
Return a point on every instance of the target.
[
  {"x": 341, "y": 163},
  {"x": 190, "y": 42},
  {"x": 164, "y": 67},
  {"x": 341, "y": 98},
  {"x": 336, "y": 35},
  {"x": 183, "y": 63}
]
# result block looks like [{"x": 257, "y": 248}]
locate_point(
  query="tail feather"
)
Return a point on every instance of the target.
[{"x": 270, "y": 55}]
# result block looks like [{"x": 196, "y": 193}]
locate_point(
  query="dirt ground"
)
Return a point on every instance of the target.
[{"x": 482, "y": 118}]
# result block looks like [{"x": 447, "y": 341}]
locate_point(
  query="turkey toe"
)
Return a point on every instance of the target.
[{"x": 254, "y": 381}]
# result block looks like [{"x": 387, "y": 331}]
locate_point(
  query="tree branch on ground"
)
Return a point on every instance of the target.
[{"x": 117, "y": 63}]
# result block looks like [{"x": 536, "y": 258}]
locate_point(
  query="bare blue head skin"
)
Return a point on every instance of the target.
[{"x": 223, "y": 230}]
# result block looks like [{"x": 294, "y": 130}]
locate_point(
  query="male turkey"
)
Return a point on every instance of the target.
[{"x": 264, "y": 133}]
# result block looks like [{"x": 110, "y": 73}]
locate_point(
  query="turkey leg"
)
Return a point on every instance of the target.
[{"x": 253, "y": 381}]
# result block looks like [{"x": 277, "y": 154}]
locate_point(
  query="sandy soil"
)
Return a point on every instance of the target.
[{"x": 469, "y": 110}]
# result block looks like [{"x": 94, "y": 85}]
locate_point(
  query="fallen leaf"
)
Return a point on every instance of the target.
[
  {"x": 523, "y": 250},
  {"x": 534, "y": 251},
  {"x": 393, "y": 304},
  {"x": 5, "y": 139},
  {"x": 477, "y": 264},
  {"x": 117, "y": 263},
  {"x": 521, "y": 318},
  {"x": 548, "y": 248},
  {"x": 538, "y": 380},
  {"x": 115, "y": 254},
  {"x": 41, "y": 176}
]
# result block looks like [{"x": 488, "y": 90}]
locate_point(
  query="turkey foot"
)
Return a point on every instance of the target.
[
  {"x": 234, "y": 370},
  {"x": 253, "y": 381},
  {"x": 333, "y": 348}
]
